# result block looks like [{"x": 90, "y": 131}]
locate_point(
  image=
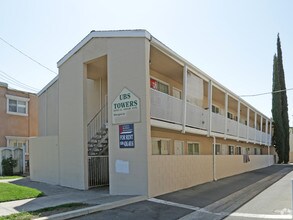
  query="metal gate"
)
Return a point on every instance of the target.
[{"x": 98, "y": 170}]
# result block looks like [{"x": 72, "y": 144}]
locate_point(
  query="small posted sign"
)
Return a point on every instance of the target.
[{"x": 126, "y": 136}]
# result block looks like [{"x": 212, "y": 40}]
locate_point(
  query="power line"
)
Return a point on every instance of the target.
[
  {"x": 28, "y": 56},
  {"x": 15, "y": 82},
  {"x": 266, "y": 93}
]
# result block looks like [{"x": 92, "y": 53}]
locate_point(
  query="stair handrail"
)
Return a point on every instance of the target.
[
  {"x": 101, "y": 109},
  {"x": 96, "y": 122}
]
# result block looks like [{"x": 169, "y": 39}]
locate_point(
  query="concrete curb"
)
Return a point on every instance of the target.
[{"x": 97, "y": 208}]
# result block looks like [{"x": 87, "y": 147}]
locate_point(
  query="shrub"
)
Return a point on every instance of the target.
[{"x": 8, "y": 165}]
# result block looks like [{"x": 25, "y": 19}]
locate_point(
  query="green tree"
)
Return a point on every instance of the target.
[
  {"x": 278, "y": 137},
  {"x": 280, "y": 107},
  {"x": 284, "y": 102}
]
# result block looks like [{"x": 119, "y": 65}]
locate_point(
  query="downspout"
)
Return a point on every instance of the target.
[{"x": 214, "y": 158}]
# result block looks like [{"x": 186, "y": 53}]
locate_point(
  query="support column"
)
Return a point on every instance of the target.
[
  {"x": 247, "y": 125},
  {"x": 267, "y": 131},
  {"x": 238, "y": 119},
  {"x": 270, "y": 142},
  {"x": 184, "y": 98},
  {"x": 255, "y": 120},
  {"x": 210, "y": 102},
  {"x": 226, "y": 113},
  {"x": 261, "y": 129}
]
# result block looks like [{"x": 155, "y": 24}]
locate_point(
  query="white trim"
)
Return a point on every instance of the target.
[
  {"x": 48, "y": 85},
  {"x": 17, "y": 98},
  {"x": 104, "y": 34}
]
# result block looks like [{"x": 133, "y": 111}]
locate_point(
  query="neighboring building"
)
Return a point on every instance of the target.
[
  {"x": 291, "y": 144},
  {"x": 169, "y": 126},
  {"x": 18, "y": 122}
]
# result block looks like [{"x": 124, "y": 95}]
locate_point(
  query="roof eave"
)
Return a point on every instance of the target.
[{"x": 104, "y": 34}]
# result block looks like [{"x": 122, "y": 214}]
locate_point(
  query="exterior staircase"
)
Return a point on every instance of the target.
[
  {"x": 98, "y": 144},
  {"x": 98, "y": 159}
]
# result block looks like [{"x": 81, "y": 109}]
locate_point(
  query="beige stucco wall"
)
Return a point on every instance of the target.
[
  {"x": 169, "y": 173},
  {"x": 227, "y": 165},
  {"x": 48, "y": 111},
  {"x": 44, "y": 159},
  {"x": 132, "y": 72}
]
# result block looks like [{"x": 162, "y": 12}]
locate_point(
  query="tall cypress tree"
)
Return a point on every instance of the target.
[
  {"x": 278, "y": 137},
  {"x": 284, "y": 102}
]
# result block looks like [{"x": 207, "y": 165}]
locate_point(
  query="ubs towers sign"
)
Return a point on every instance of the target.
[{"x": 126, "y": 108}]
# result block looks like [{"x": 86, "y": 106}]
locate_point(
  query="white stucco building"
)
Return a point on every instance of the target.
[{"x": 127, "y": 111}]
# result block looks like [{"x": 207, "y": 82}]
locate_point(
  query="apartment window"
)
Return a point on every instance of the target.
[
  {"x": 160, "y": 146},
  {"x": 238, "y": 150},
  {"x": 160, "y": 86},
  {"x": 231, "y": 150},
  {"x": 17, "y": 105},
  {"x": 255, "y": 151},
  {"x": 230, "y": 115},
  {"x": 193, "y": 148},
  {"x": 218, "y": 149},
  {"x": 177, "y": 93},
  {"x": 178, "y": 147},
  {"x": 215, "y": 109}
]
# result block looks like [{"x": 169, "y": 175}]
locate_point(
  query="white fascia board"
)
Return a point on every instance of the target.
[
  {"x": 48, "y": 85},
  {"x": 104, "y": 34},
  {"x": 163, "y": 48}
]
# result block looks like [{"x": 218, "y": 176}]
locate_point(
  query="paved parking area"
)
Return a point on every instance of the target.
[{"x": 214, "y": 200}]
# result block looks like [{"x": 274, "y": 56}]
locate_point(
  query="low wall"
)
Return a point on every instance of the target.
[
  {"x": 227, "y": 165},
  {"x": 44, "y": 159},
  {"x": 169, "y": 173}
]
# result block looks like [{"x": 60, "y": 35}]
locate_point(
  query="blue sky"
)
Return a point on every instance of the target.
[{"x": 232, "y": 41}]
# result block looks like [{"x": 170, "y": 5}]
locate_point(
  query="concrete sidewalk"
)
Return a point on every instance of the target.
[
  {"x": 57, "y": 195},
  {"x": 275, "y": 202}
]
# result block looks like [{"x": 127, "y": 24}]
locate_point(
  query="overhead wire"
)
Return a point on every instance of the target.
[
  {"x": 266, "y": 93},
  {"x": 52, "y": 71},
  {"x": 15, "y": 82}
]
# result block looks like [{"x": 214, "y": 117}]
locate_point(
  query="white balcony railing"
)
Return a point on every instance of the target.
[
  {"x": 251, "y": 134},
  {"x": 242, "y": 130},
  {"x": 231, "y": 127},
  {"x": 165, "y": 107},
  {"x": 168, "y": 108},
  {"x": 196, "y": 117},
  {"x": 218, "y": 123}
]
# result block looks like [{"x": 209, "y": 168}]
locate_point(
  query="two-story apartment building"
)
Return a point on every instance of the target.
[
  {"x": 18, "y": 122},
  {"x": 127, "y": 111}
]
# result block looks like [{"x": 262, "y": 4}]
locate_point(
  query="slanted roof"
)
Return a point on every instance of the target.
[{"x": 106, "y": 34}]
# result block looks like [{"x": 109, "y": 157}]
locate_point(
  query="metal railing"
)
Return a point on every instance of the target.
[
  {"x": 98, "y": 171},
  {"x": 98, "y": 121}
]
